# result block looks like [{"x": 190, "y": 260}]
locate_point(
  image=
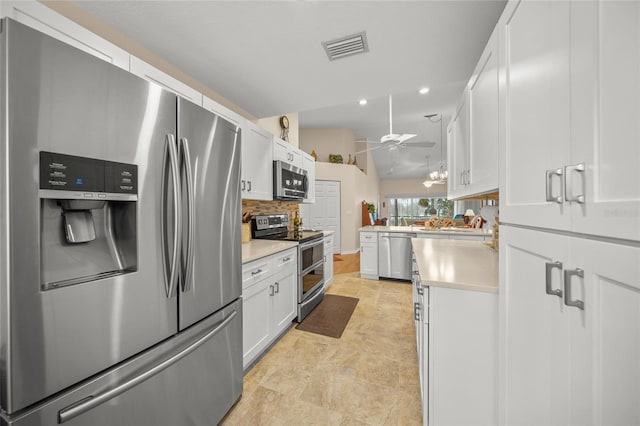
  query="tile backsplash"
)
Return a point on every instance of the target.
[{"x": 270, "y": 207}]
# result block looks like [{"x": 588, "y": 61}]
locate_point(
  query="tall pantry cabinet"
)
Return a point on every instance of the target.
[{"x": 570, "y": 213}]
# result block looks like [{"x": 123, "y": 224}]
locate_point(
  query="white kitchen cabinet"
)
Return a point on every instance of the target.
[
  {"x": 564, "y": 364},
  {"x": 328, "y": 260},
  {"x": 40, "y": 17},
  {"x": 456, "y": 334},
  {"x": 482, "y": 173},
  {"x": 285, "y": 291},
  {"x": 270, "y": 297},
  {"x": 369, "y": 255},
  {"x": 571, "y": 66},
  {"x": 164, "y": 80},
  {"x": 309, "y": 166},
  {"x": 256, "y": 182},
  {"x": 458, "y": 149},
  {"x": 284, "y": 151},
  {"x": 472, "y": 135}
]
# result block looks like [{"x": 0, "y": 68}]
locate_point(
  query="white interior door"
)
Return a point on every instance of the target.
[{"x": 325, "y": 212}]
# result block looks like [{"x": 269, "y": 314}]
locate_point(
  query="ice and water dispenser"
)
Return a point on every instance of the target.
[{"x": 88, "y": 228}]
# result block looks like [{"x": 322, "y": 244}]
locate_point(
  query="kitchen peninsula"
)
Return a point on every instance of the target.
[{"x": 455, "y": 285}]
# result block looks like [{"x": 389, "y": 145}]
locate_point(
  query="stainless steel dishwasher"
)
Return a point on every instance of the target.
[{"x": 394, "y": 255}]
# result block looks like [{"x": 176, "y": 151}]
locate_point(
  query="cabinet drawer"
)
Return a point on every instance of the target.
[
  {"x": 286, "y": 261},
  {"x": 368, "y": 237},
  {"x": 255, "y": 271}
]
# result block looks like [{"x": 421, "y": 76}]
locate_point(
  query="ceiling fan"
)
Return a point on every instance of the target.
[{"x": 393, "y": 141}]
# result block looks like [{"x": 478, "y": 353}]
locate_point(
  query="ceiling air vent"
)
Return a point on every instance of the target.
[{"x": 346, "y": 46}]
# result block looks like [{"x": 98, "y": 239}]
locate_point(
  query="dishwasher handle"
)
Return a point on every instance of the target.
[{"x": 396, "y": 235}]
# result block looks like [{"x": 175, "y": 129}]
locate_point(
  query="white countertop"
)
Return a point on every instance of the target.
[
  {"x": 460, "y": 264},
  {"x": 421, "y": 230},
  {"x": 255, "y": 249}
]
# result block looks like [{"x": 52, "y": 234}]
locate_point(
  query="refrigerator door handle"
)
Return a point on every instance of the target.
[
  {"x": 171, "y": 159},
  {"x": 188, "y": 263},
  {"x": 90, "y": 402}
]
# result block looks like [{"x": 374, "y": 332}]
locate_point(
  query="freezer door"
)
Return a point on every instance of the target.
[
  {"x": 211, "y": 252},
  {"x": 65, "y": 101},
  {"x": 192, "y": 379}
]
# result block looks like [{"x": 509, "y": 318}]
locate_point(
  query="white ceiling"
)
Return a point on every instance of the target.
[{"x": 267, "y": 57}]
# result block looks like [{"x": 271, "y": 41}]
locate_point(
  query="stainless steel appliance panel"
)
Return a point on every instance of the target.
[
  {"x": 394, "y": 255},
  {"x": 212, "y": 254},
  {"x": 58, "y": 99},
  {"x": 310, "y": 254},
  {"x": 197, "y": 389},
  {"x": 290, "y": 183}
]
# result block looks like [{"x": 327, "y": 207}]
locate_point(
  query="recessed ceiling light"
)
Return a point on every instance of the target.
[
  {"x": 363, "y": 102},
  {"x": 424, "y": 90}
]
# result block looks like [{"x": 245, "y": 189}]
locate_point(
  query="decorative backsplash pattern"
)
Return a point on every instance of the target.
[{"x": 270, "y": 207}]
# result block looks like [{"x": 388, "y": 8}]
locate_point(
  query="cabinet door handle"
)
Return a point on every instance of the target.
[
  {"x": 416, "y": 311},
  {"x": 568, "y": 184},
  {"x": 549, "y": 267},
  {"x": 277, "y": 287},
  {"x": 420, "y": 290},
  {"x": 249, "y": 186},
  {"x": 271, "y": 290},
  {"x": 243, "y": 185},
  {"x": 550, "y": 196},
  {"x": 256, "y": 272},
  {"x": 567, "y": 288}
]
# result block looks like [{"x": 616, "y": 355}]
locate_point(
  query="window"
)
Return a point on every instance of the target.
[{"x": 417, "y": 209}]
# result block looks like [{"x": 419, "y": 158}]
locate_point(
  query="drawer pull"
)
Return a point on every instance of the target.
[{"x": 256, "y": 272}]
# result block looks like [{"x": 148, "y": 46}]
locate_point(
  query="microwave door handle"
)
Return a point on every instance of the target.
[
  {"x": 187, "y": 269},
  {"x": 305, "y": 184},
  {"x": 170, "y": 165}
]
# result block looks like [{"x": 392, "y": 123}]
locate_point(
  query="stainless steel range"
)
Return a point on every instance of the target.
[{"x": 310, "y": 257}]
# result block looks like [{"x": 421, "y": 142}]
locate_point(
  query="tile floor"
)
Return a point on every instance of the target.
[{"x": 367, "y": 377}]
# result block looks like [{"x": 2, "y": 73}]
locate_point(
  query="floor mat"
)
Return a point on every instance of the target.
[{"x": 331, "y": 316}]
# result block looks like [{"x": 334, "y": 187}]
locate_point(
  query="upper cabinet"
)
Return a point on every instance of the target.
[
  {"x": 472, "y": 135},
  {"x": 40, "y": 17},
  {"x": 482, "y": 175},
  {"x": 284, "y": 151},
  {"x": 257, "y": 163},
  {"x": 309, "y": 166},
  {"x": 153, "y": 74},
  {"x": 569, "y": 95}
]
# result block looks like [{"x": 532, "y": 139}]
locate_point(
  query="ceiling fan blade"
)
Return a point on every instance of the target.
[
  {"x": 420, "y": 144},
  {"x": 370, "y": 149},
  {"x": 405, "y": 137}
]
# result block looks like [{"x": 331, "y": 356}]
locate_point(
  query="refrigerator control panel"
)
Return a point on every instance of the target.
[{"x": 72, "y": 173}]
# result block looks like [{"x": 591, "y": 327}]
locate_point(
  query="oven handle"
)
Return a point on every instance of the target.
[
  {"x": 312, "y": 267},
  {"x": 313, "y": 243}
]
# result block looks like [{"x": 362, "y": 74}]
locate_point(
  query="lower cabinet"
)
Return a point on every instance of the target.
[
  {"x": 269, "y": 293},
  {"x": 328, "y": 260},
  {"x": 570, "y": 330},
  {"x": 369, "y": 255},
  {"x": 456, "y": 337}
]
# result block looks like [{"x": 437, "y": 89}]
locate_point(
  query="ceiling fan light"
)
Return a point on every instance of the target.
[{"x": 427, "y": 183}]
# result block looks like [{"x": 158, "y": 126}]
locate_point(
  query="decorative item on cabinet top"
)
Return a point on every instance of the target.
[{"x": 336, "y": 158}]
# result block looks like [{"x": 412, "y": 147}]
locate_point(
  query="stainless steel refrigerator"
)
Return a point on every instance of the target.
[{"x": 120, "y": 262}]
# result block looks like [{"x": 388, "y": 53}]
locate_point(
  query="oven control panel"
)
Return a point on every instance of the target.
[{"x": 271, "y": 221}]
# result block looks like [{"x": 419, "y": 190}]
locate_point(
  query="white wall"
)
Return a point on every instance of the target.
[
  {"x": 272, "y": 124},
  {"x": 328, "y": 141}
]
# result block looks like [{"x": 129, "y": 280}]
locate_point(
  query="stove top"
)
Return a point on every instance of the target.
[
  {"x": 275, "y": 227},
  {"x": 302, "y": 236}
]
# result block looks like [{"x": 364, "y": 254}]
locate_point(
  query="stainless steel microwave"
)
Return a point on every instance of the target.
[{"x": 290, "y": 183}]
